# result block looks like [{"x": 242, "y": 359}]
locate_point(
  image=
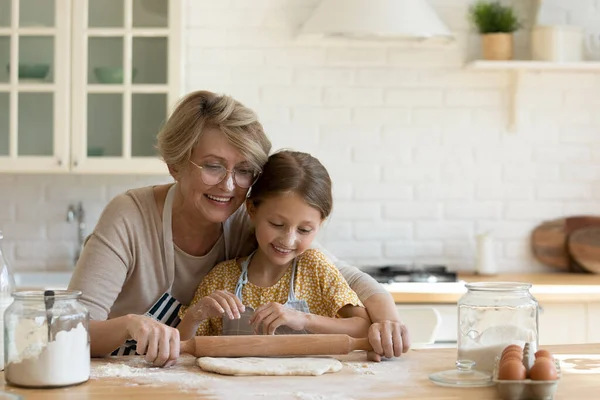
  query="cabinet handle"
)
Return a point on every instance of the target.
[
  {"x": 60, "y": 162},
  {"x": 75, "y": 163}
]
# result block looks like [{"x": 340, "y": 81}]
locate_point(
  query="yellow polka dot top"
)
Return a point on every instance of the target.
[{"x": 318, "y": 282}]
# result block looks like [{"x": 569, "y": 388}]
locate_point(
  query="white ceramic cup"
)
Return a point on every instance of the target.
[{"x": 558, "y": 43}]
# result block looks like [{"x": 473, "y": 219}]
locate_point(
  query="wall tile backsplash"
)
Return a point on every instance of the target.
[{"x": 416, "y": 144}]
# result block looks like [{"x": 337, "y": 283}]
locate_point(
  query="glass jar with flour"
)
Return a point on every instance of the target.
[
  {"x": 491, "y": 316},
  {"x": 47, "y": 341},
  {"x": 7, "y": 287}
]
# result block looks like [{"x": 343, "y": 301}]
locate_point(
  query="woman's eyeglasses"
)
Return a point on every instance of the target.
[{"x": 213, "y": 174}]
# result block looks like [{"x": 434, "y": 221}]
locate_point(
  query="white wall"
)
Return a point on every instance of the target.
[{"x": 416, "y": 144}]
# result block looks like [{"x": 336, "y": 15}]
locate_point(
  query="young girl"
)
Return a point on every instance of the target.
[{"x": 283, "y": 287}]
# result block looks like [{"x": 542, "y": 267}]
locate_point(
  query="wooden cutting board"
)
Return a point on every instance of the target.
[
  {"x": 549, "y": 241},
  {"x": 584, "y": 248},
  {"x": 580, "y": 221},
  {"x": 272, "y": 345},
  {"x": 548, "y": 244}
]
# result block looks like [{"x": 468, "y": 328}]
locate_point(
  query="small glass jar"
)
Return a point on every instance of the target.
[
  {"x": 491, "y": 316},
  {"x": 7, "y": 287},
  {"x": 47, "y": 342}
]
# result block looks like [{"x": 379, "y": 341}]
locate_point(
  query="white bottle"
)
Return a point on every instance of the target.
[
  {"x": 7, "y": 286},
  {"x": 486, "y": 261}
]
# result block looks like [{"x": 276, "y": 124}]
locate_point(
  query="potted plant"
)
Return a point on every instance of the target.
[{"x": 496, "y": 24}]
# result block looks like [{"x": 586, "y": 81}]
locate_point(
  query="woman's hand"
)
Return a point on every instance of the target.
[
  {"x": 388, "y": 339},
  {"x": 157, "y": 341},
  {"x": 217, "y": 304},
  {"x": 273, "y": 315}
]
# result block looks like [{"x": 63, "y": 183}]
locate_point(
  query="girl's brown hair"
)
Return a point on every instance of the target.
[
  {"x": 297, "y": 172},
  {"x": 202, "y": 109}
]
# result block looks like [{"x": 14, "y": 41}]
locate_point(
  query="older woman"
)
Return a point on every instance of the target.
[{"x": 153, "y": 245}]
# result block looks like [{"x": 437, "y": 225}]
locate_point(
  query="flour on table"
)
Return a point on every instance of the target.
[
  {"x": 318, "y": 396},
  {"x": 269, "y": 365},
  {"x": 357, "y": 379},
  {"x": 140, "y": 372},
  {"x": 360, "y": 367}
]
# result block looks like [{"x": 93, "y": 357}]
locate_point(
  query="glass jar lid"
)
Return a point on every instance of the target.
[
  {"x": 38, "y": 295},
  {"x": 498, "y": 286},
  {"x": 463, "y": 376}
]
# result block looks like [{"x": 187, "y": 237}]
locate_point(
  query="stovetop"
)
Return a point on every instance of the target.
[{"x": 405, "y": 273}]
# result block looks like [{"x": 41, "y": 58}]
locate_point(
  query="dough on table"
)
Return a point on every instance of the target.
[{"x": 269, "y": 365}]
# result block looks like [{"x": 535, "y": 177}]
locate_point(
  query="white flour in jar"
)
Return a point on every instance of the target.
[
  {"x": 484, "y": 357},
  {"x": 64, "y": 361},
  {"x": 484, "y": 349}
]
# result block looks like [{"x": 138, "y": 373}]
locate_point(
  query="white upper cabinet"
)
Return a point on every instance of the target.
[
  {"x": 34, "y": 85},
  {"x": 95, "y": 82}
]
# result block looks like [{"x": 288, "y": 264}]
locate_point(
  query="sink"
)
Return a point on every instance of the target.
[{"x": 42, "y": 280}]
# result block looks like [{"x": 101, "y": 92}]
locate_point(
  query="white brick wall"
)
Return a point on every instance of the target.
[
  {"x": 33, "y": 214},
  {"x": 416, "y": 144}
]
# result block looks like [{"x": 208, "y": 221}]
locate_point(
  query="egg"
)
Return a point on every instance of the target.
[
  {"x": 544, "y": 359},
  {"x": 543, "y": 369},
  {"x": 508, "y": 360},
  {"x": 543, "y": 353},
  {"x": 513, "y": 353},
  {"x": 512, "y": 370},
  {"x": 508, "y": 357},
  {"x": 511, "y": 347}
]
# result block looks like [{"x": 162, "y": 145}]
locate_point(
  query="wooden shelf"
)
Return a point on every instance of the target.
[
  {"x": 525, "y": 65},
  {"x": 517, "y": 67}
]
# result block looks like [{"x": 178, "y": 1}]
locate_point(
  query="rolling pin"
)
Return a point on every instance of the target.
[{"x": 272, "y": 345}]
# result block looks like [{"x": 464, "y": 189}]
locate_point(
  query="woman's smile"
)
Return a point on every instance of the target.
[{"x": 219, "y": 200}]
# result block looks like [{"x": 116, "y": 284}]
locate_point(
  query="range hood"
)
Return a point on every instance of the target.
[{"x": 372, "y": 19}]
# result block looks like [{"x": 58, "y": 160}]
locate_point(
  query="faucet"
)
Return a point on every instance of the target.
[{"x": 77, "y": 213}]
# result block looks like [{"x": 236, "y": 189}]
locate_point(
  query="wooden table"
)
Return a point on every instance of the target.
[{"x": 402, "y": 378}]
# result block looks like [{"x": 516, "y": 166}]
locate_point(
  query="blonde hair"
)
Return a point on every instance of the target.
[{"x": 202, "y": 109}]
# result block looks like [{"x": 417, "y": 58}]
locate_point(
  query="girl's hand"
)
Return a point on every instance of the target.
[
  {"x": 216, "y": 304},
  {"x": 273, "y": 315},
  {"x": 159, "y": 343}
]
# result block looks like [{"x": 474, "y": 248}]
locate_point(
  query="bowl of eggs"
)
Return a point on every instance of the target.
[{"x": 522, "y": 373}]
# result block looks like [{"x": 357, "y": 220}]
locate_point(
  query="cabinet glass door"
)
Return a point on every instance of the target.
[
  {"x": 125, "y": 79},
  {"x": 34, "y": 119},
  {"x": 5, "y": 13}
]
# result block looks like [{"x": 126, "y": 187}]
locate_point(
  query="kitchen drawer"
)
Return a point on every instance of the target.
[
  {"x": 593, "y": 328},
  {"x": 448, "y": 329},
  {"x": 563, "y": 323}
]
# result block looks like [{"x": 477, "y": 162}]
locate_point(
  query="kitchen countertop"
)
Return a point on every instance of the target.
[
  {"x": 547, "y": 288},
  {"x": 405, "y": 377}
]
